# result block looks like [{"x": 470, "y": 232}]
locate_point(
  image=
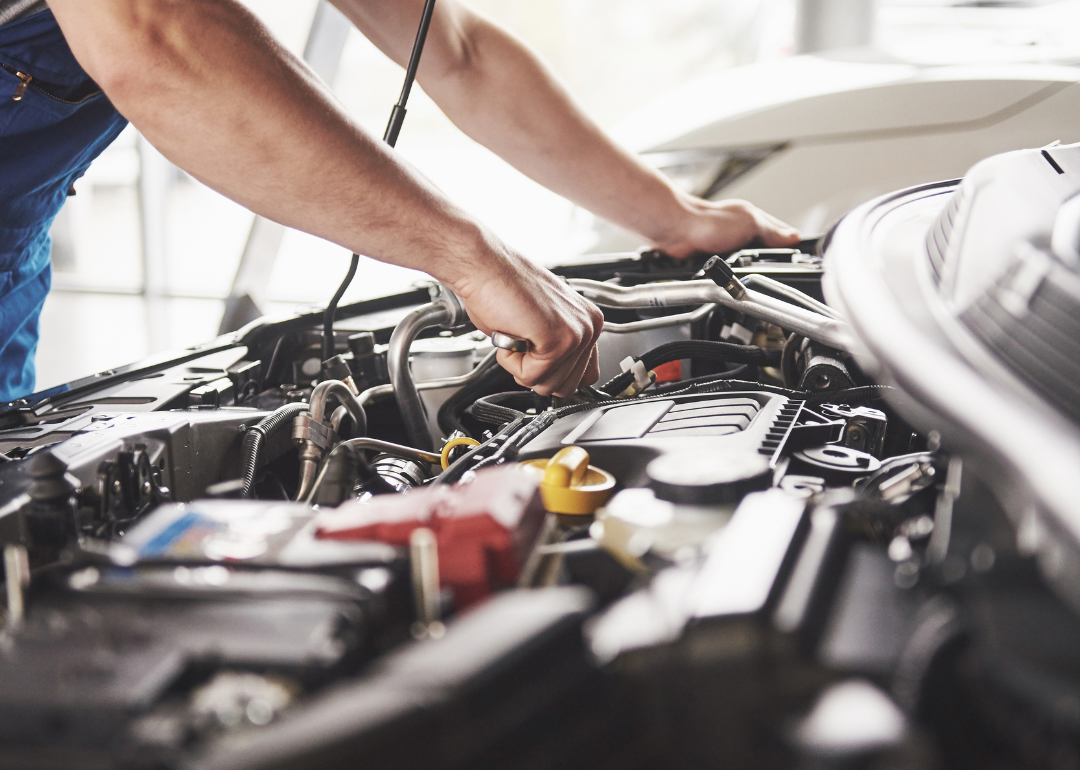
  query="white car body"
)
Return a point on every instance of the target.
[{"x": 838, "y": 132}]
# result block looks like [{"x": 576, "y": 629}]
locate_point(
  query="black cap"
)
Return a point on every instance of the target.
[
  {"x": 720, "y": 273},
  {"x": 362, "y": 344},
  {"x": 336, "y": 368}
]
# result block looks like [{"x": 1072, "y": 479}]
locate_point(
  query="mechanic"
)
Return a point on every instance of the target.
[{"x": 209, "y": 87}]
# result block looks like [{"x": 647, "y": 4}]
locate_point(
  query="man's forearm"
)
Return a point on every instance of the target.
[
  {"x": 494, "y": 88},
  {"x": 204, "y": 81},
  {"x": 209, "y": 87}
]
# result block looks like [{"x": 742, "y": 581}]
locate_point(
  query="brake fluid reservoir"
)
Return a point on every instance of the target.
[{"x": 436, "y": 358}]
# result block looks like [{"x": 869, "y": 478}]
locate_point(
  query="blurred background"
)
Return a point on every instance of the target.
[{"x": 144, "y": 256}]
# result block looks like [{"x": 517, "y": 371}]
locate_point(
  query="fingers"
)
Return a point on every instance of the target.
[
  {"x": 566, "y": 376},
  {"x": 562, "y": 327},
  {"x": 718, "y": 227},
  {"x": 574, "y": 358},
  {"x": 570, "y": 382},
  {"x": 776, "y": 233},
  {"x": 592, "y": 371}
]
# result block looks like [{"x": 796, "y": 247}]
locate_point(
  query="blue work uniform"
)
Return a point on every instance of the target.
[{"x": 54, "y": 120}]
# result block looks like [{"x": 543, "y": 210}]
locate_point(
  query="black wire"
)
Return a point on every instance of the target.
[
  {"x": 268, "y": 377},
  {"x": 331, "y": 309},
  {"x": 731, "y": 374}
]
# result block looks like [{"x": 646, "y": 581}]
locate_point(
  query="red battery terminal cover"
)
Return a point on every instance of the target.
[{"x": 484, "y": 529}]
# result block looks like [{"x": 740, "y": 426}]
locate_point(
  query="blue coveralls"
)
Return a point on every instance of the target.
[{"x": 48, "y": 138}]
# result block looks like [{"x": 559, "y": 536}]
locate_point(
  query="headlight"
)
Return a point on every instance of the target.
[{"x": 705, "y": 173}]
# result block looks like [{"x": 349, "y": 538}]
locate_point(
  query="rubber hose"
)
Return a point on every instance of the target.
[
  {"x": 787, "y": 360},
  {"x": 705, "y": 350},
  {"x": 253, "y": 439},
  {"x": 450, "y": 412},
  {"x": 495, "y": 410}
]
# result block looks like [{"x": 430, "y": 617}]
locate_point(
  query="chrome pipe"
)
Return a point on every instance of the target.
[
  {"x": 309, "y": 452},
  {"x": 818, "y": 327}
]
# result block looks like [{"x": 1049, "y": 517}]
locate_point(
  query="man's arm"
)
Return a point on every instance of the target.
[
  {"x": 494, "y": 88},
  {"x": 216, "y": 94}
]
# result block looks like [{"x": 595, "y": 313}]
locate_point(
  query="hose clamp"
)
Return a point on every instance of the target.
[{"x": 307, "y": 429}]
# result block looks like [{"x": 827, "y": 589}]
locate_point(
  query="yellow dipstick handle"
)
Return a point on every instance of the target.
[
  {"x": 444, "y": 456},
  {"x": 567, "y": 468}
]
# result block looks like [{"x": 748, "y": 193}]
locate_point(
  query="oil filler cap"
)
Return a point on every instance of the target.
[
  {"x": 569, "y": 484},
  {"x": 708, "y": 478}
]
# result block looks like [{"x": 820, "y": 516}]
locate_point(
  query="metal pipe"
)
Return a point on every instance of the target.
[
  {"x": 447, "y": 311},
  {"x": 828, "y": 331},
  {"x": 660, "y": 322},
  {"x": 387, "y": 447},
  {"x": 338, "y": 417},
  {"x": 16, "y": 578},
  {"x": 309, "y": 452},
  {"x": 424, "y": 559},
  {"x": 308, "y": 467},
  {"x": 321, "y": 394},
  {"x": 790, "y": 293},
  {"x": 377, "y": 392}
]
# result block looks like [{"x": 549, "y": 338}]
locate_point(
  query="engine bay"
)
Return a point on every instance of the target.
[{"x": 727, "y": 553}]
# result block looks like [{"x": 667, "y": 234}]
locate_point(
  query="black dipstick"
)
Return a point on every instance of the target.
[{"x": 393, "y": 128}]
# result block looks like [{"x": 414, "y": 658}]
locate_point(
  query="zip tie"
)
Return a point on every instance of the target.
[{"x": 641, "y": 374}]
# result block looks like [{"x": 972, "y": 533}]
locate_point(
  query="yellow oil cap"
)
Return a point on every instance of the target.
[{"x": 569, "y": 484}]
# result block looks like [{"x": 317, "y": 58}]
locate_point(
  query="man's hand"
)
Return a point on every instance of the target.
[
  {"x": 716, "y": 227},
  {"x": 519, "y": 298}
]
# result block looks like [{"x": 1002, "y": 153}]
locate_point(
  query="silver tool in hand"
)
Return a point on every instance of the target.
[{"x": 506, "y": 342}]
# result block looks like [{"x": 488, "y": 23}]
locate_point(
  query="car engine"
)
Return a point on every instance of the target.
[{"x": 747, "y": 546}]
